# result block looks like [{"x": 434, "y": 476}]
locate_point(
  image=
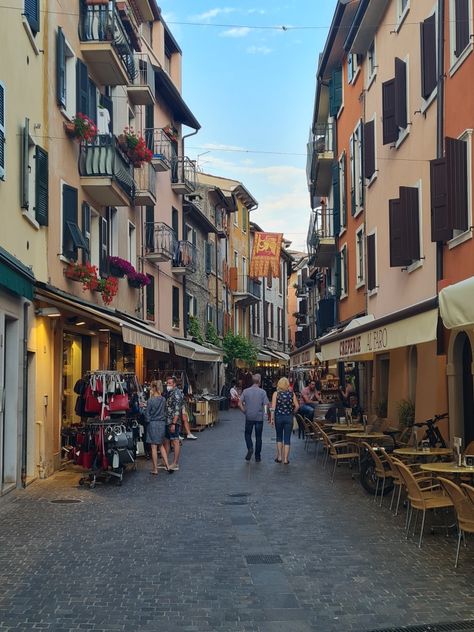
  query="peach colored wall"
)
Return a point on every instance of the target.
[
  {"x": 292, "y": 307},
  {"x": 348, "y": 120},
  {"x": 459, "y": 116},
  {"x": 406, "y": 166}
]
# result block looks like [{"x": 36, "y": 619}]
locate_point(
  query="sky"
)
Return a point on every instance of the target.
[{"x": 252, "y": 90}]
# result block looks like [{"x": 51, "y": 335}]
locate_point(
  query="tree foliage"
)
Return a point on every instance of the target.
[
  {"x": 237, "y": 347},
  {"x": 212, "y": 336},
  {"x": 194, "y": 329}
]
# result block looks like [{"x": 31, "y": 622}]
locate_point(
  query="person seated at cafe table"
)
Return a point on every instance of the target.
[
  {"x": 310, "y": 397},
  {"x": 356, "y": 409}
]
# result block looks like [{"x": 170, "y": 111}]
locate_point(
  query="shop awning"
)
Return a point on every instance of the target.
[
  {"x": 456, "y": 304},
  {"x": 263, "y": 357},
  {"x": 135, "y": 336},
  {"x": 194, "y": 351},
  {"x": 15, "y": 276},
  {"x": 414, "y": 325},
  {"x": 304, "y": 357}
]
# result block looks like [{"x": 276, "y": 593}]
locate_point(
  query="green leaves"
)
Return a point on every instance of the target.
[{"x": 237, "y": 347}]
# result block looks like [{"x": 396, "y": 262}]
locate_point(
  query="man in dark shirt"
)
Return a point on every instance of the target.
[{"x": 254, "y": 404}]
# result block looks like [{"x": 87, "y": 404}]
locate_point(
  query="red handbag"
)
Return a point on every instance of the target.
[
  {"x": 91, "y": 403},
  {"x": 118, "y": 402}
]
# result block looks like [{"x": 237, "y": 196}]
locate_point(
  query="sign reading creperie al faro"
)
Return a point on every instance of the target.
[
  {"x": 375, "y": 340},
  {"x": 409, "y": 331}
]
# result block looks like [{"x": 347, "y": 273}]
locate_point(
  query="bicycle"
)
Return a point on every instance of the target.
[{"x": 432, "y": 434}]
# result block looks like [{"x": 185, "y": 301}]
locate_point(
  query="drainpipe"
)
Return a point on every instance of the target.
[
  {"x": 24, "y": 436},
  {"x": 440, "y": 120}
]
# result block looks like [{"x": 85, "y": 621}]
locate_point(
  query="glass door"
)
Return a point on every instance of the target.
[{"x": 72, "y": 371}]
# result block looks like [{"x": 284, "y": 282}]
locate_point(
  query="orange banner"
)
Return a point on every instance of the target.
[{"x": 266, "y": 255}]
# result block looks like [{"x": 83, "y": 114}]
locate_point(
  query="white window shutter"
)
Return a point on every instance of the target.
[{"x": 2, "y": 130}]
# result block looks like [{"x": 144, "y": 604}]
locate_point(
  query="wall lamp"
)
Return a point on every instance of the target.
[{"x": 51, "y": 312}]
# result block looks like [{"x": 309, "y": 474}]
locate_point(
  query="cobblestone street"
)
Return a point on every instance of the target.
[{"x": 171, "y": 553}]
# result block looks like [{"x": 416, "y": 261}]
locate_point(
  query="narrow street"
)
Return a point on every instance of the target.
[{"x": 171, "y": 553}]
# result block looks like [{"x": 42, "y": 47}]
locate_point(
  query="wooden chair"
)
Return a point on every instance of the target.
[
  {"x": 382, "y": 469},
  {"x": 308, "y": 432},
  {"x": 464, "y": 508},
  {"x": 398, "y": 482},
  {"x": 339, "y": 452},
  {"x": 421, "y": 498}
]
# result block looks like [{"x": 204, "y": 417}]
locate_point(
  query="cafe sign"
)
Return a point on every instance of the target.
[{"x": 413, "y": 330}]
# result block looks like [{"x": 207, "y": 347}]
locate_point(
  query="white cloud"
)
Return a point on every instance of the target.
[
  {"x": 213, "y": 13},
  {"x": 259, "y": 11},
  {"x": 259, "y": 50},
  {"x": 239, "y": 31}
]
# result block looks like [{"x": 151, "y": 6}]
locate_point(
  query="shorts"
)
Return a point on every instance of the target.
[{"x": 173, "y": 435}]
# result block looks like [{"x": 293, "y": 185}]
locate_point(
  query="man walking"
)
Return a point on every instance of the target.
[
  {"x": 254, "y": 404},
  {"x": 174, "y": 405}
]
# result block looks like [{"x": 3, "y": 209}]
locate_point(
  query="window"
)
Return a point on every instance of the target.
[
  {"x": 451, "y": 186},
  {"x": 352, "y": 67},
  {"x": 112, "y": 219},
  {"x": 429, "y": 53},
  {"x": 210, "y": 314},
  {"x": 175, "y": 306},
  {"x": 270, "y": 320},
  {"x": 360, "y": 271},
  {"x": 132, "y": 244},
  {"x": 335, "y": 92},
  {"x": 65, "y": 75},
  {"x": 150, "y": 298},
  {"x": 404, "y": 228},
  {"x": 369, "y": 149},
  {"x": 175, "y": 222},
  {"x": 72, "y": 238},
  {"x": 192, "y": 305},
  {"x": 371, "y": 63},
  {"x": 371, "y": 263},
  {"x": 395, "y": 104},
  {"x": 34, "y": 178},
  {"x": 403, "y": 6},
  {"x": 236, "y": 216},
  {"x": 95, "y": 237},
  {"x": 103, "y": 246},
  {"x": 236, "y": 259},
  {"x": 279, "y": 319},
  {"x": 32, "y": 14},
  {"x": 343, "y": 271},
  {"x": 357, "y": 185},
  {"x": 280, "y": 279},
  {"x": 244, "y": 273},
  {"x": 208, "y": 257},
  {"x": 168, "y": 55},
  {"x": 86, "y": 93},
  {"x": 2, "y": 130},
  {"x": 244, "y": 219},
  {"x": 190, "y": 234},
  {"x": 460, "y": 18},
  {"x": 236, "y": 320},
  {"x": 255, "y": 319},
  {"x": 86, "y": 230}
]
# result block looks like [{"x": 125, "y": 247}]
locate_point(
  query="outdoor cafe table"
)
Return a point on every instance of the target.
[
  {"x": 423, "y": 453},
  {"x": 345, "y": 428},
  {"x": 366, "y": 436},
  {"x": 447, "y": 468}
]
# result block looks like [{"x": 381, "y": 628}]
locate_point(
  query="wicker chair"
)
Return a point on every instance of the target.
[
  {"x": 308, "y": 432},
  {"x": 463, "y": 507},
  {"x": 382, "y": 469},
  {"x": 339, "y": 452},
  {"x": 421, "y": 498}
]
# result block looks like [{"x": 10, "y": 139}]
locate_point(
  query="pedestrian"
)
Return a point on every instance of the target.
[
  {"x": 310, "y": 397},
  {"x": 155, "y": 416},
  {"x": 234, "y": 395},
  {"x": 185, "y": 419},
  {"x": 284, "y": 405},
  {"x": 254, "y": 404},
  {"x": 174, "y": 405}
]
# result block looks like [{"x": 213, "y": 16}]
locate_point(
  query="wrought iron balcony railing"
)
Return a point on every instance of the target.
[
  {"x": 183, "y": 175},
  {"x": 185, "y": 256},
  {"x": 160, "y": 241},
  {"x": 321, "y": 226},
  {"x": 161, "y": 147}
]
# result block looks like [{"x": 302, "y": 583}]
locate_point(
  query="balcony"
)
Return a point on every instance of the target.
[
  {"x": 321, "y": 154},
  {"x": 106, "y": 173},
  {"x": 184, "y": 258},
  {"x": 247, "y": 292},
  {"x": 160, "y": 242},
  {"x": 183, "y": 175},
  {"x": 105, "y": 45},
  {"x": 326, "y": 314},
  {"x": 160, "y": 145},
  {"x": 141, "y": 89},
  {"x": 321, "y": 237},
  {"x": 145, "y": 186}
]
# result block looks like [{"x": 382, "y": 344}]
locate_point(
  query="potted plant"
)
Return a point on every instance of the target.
[
  {"x": 134, "y": 147},
  {"x": 84, "y": 273},
  {"x": 171, "y": 132},
  {"x": 137, "y": 279},
  {"x": 119, "y": 267},
  {"x": 81, "y": 128},
  {"x": 108, "y": 288},
  {"x": 406, "y": 413}
]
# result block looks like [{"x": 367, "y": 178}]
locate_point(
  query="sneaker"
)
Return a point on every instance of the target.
[
  {"x": 174, "y": 466},
  {"x": 248, "y": 455},
  {"x": 191, "y": 436},
  {"x": 181, "y": 438}
]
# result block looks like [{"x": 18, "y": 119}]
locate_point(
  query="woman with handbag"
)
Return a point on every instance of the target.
[
  {"x": 155, "y": 415},
  {"x": 284, "y": 405}
]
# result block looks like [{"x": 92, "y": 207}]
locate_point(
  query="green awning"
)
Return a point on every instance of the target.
[{"x": 15, "y": 277}]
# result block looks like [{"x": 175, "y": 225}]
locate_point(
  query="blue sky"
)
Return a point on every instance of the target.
[{"x": 253, "y": 89}]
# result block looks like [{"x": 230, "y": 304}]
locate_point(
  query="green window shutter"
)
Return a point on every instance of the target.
[
  {"x": 86, "y": 230},
  {"x": 61, "y": 68},
  {"x": 336, "y": 196},
  {"x": 32, "y": 14},
  {"x": 104, "y": 246},
  {"x": 338, "y": 275},
  {"x": 41, "y": 186},
  {"x": 92, "y": 114},
  {"x": 335, "y": 92},
  {"x": 25, "y": 165},
  {"x": 82, "y": 88},
  {"x": 69, "y": 250},
  {"x": 2, "y": 130}
]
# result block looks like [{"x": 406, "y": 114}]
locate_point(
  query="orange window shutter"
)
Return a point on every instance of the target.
[{"x": 233, "y": 279}]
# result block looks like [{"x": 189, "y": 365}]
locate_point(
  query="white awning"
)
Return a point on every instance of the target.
[
  {"x": 456, "y": 304},
  {"x": 138, "y": 337},
  {"x": 194, "y": 351},
  {"x": 263, "y": 357},
  {"x": 383, "y": 337}
]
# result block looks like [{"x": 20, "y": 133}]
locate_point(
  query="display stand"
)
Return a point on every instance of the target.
[
  {"x": 330, "y": 391},
  {"x": 206, "y": 412}
]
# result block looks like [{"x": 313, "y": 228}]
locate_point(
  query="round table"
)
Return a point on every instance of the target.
[
  {"x": 344, "y": 428},
  {"x": 447, "y": 468},
  {"x": 422, "y": 453},
  {"x": 366, "y": 436}
]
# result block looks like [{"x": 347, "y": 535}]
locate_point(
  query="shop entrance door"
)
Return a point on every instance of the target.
[
  {"x": 74, "y": 366},
  {"x": 468, "y": 395},
  {"x": 9, "y": 393}
]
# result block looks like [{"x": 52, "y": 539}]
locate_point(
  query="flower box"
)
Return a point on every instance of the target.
[
  {"x": 116, "y": 272},
  {"x": 138, "y": 280},
  {"x": 119, "y": 267}
]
